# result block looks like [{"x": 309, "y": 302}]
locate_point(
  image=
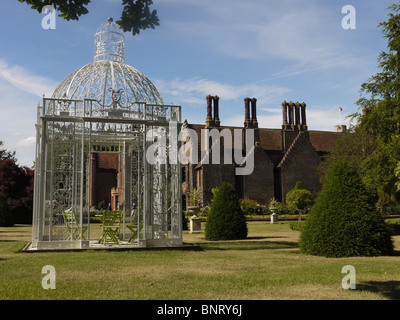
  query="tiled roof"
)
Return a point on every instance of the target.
[
  {"x": 323, "y": 141},
  {"x": 271, "y": 139}
]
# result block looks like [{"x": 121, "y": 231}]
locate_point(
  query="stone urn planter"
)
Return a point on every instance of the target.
[
  {"x": 273, "y": 206},
  {"x": 193, "y": 210},
  {"x": 274, "y": 215}
]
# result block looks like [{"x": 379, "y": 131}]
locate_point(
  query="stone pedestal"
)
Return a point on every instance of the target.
[
  {"x": 195, "y": 225},
  {"x": 274, "y": 217}
]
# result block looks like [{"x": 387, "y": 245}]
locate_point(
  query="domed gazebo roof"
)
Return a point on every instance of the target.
[{"x": 108, "y": 78}]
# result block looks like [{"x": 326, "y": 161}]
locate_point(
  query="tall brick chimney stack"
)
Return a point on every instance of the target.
[
  {"x": 250, "y": 113},
  {"x": 291, "y": 115},
  {"x": 303, "y": 116},
  {"x": 212, "y": 119},
  {"x": 294, "y": 116},
  {"x": 250, "y": 118},
  {"x": 285, "y": 123},
  {"x": 294, "y": 122},
  {"x": 297, "y": 124},
  {"x": 209, "y": 119},
  {"x": 247, "y": 121},
  {"x": 217, "y": 122},
  {"x": 254, "y": 112}
]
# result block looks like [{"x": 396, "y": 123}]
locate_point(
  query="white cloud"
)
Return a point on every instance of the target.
[
  {"x": 272, "y": 110},
  {"x": 26, "y": 142},
  {"x": 19, "y": 91},
  {"x": 308, "y": 36},
  {"x": 318, "y": 118},
  {"x": 17, "y": 121},
  {"x": 25, "y": 80},
  {"x": 194, "y": 90}
]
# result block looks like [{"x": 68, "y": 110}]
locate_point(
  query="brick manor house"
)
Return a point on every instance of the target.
[{"x": 282, "y": 157}]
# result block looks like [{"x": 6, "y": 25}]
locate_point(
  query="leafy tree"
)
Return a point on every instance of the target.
[
  {"x": 381, "y": 106},
  {"x": 16, "y": 183},
  {"x": 378, "y": 169},
  {"x": 136, "y": 14},
  {"x": 382, "y": 91},
  {"x": 299, "y": 186},
  {"x": 344, "y": 221},
  {"x": 353, "y": 146},
  {"x": 373, "y": 145},
  {"x": 299, "y": 197},
  {"x": 226, "y": 220},
  {"x": 6, "y": 218},
  {"x": 5, "y": 154}
]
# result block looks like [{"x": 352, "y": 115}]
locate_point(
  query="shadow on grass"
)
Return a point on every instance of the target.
[
  {"x": 396, "y": 253},
  {"x": 247, "y": 245},
  {"x": 260, "y": 238},
  {"x": 389, "y": 289},
  {"x": 13, "y": 231}
]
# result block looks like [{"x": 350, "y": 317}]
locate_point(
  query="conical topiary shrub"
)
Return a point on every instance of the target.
[
  {"x": 6, "y": 217},
  {"x": 344, "y": 221},
  {"x": 226, "y": 220}
]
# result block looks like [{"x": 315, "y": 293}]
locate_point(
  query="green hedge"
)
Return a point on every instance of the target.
[
  {"x": 344, "y": 221},
  {"x": 251, "y": 207},
  {"x": 296, "y": 225},
  {"x": 226, "y": 220},
  {"x": 393, "y": 226}
]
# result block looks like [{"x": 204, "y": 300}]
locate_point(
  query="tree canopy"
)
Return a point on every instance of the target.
[
  {"x": 299, "y": 197},
  {"x": 16, "y": 187},
  {"x": 380, "y": 102},
  {"x": 136, "y": 14},
  {"x": 6, "y": 217},
  {"x": 373, "y": 144},
  {"x": 5, "y": 154},
  {"x": 16, "y": 183}
]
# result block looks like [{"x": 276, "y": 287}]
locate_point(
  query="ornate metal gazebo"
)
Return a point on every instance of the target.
[{"x": 107, "y": 107}]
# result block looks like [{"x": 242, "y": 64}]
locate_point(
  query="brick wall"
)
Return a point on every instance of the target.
[
  {"x": 104, "y": 177},
  {"x": 213, "y": 175},
  {"x": 259, "y": 185},
  {"x": 300, "y": 164}
]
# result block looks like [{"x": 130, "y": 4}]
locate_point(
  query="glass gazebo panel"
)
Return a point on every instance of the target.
[{"x": 147, "y": 187}]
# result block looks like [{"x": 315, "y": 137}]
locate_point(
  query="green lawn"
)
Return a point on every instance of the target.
[{"x": 267, "y": 265}]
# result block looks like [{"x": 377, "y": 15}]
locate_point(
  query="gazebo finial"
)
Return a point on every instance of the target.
[{"x": 109, "y": 42}]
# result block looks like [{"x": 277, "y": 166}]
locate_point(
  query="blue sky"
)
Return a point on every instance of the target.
[{"x": 273, "y": 50}]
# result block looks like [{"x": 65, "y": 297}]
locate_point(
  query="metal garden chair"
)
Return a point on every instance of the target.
[
  {"x": 111, "y": 224},
  {"x": 73, "y": 226}
]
